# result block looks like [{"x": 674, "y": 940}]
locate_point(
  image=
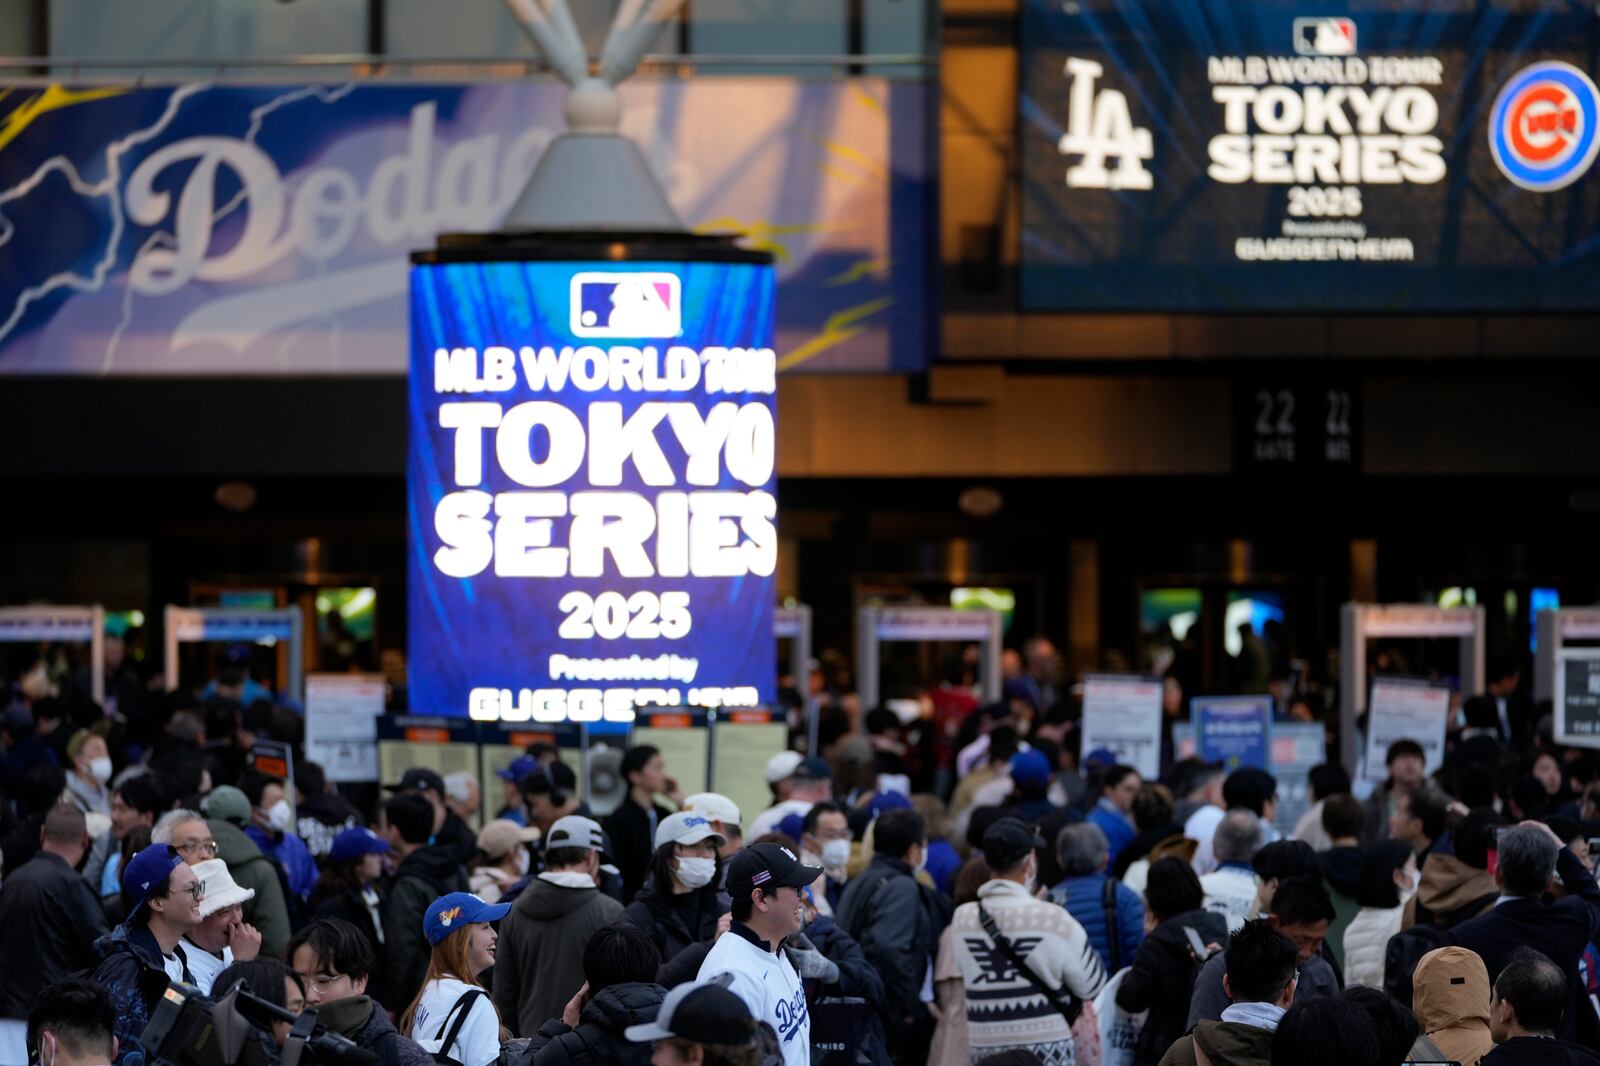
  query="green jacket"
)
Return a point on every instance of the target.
[
  {"x": 1223, "y": 1044},
  {"x": 267, "y": 912}
]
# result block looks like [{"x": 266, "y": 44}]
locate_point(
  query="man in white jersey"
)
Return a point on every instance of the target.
[{"x": 764, "y": 881}]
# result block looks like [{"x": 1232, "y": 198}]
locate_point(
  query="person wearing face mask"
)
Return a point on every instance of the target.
[
  {"x": 503, "y": 846},
  {"x": 73, "y": 1025},
  {"x": 542, "y": 939},
  {"x": 90, "y": 773},
  {"x": 1388, "y": 880},
  {"x": 270, "y": 822},
  {"x": 681, "y": 904},
  {"x": 1016, "y": 1009},
  {"x": 825, "y": 841},
  {"x": 51, "y": 919},
  {"x": 453, "y": 1015}
]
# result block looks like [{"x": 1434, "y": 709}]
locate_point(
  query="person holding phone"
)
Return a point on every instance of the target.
[{"x": 1181, "y": 934}]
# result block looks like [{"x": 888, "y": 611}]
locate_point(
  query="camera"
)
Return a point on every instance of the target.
[{"x": 187, "y": 1029}]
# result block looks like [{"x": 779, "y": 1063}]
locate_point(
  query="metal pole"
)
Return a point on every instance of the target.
[
  {"x": 867, "y": 659},
  {"x": 97, "y": 654},
  {"x": 1547, "y": 627},
  {"x": 1352, "y": 681}
]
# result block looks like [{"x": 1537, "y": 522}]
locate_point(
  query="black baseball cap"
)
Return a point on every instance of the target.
[
  {"x": 705, "y": 1013},
  {"x": 419, "y": 779},
  {"x": 767, "y": 866},
  {"x": 812, "y": 768},
  {"x": 544, "y": 779},
  {"x": 1007, "y": 841}
]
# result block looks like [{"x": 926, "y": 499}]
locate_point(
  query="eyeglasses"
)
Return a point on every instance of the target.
[
  {"x": 324, "y": 981},
  {"x": 205, "y": 847},
  {"x": 196, "y": 889}
]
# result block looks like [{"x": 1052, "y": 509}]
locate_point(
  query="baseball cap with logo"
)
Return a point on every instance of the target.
[
  {"x": 1008, "y": 841},
  {"x": 576, "y": 831},
  {"x": 418, "y": 779},
  {"x": 767, "y": 866},
  {"x": 700, "y": 1012},
  {"x": 715, "y": 806},
  {"x": 355, "y": 842},
  {"x": 686, "y": 828},
  {"x": 146, "y": 872},
  {"x": 449, "y": 913}
]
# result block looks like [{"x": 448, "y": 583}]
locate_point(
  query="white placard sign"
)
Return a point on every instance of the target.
[
  {"x": 1122, "y": 714},
  {"x": 1406, "y": 709},
  {"x": 342, "y": 712}
]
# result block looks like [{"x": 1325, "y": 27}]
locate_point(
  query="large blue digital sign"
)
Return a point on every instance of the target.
[{"x": 592, "y": 509}]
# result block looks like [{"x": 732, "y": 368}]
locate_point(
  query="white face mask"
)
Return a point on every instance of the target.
[
  {"x": 1033, "y": 877},
  {"x": 100, "y": 769},
  {"x": 524, "y": 862},
  {"x": 278, "y": 816},
  {"x": 836, "y": 853},
  {"x": 1409, "y": 888},
  {"x": 697, "y": 873}
]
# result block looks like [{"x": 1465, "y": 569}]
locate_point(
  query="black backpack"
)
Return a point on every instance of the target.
[{"x": 1406, "y": 948}]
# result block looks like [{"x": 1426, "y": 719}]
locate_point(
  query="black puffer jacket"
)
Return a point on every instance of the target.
[
  {"x": 423, "y": 876},
  {"x": 1161, "y": 980},
  {"x": 675, "y": 922},
  {"x": 599, "y": 1038}
]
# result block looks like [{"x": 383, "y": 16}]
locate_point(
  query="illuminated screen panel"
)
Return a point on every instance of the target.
[{"x": 592, "y": 511}]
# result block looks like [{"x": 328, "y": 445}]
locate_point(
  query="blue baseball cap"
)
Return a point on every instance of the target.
[
  {"x": 792, "y": 826},
  {"x": 449, "y": 913},
  {"x": 520, "y": 767},
  {"x": 146, "y": 872},
  {"x": 351, "y": 844},
  {"x": 889, "y": 801},
  {"x": 1030, "y": 768}
]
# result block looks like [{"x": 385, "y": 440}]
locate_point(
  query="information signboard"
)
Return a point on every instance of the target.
[
  {"x": 1122, "y": 714},
  {"x": 1233, "y": 730},
  {"x": 1405, "y": 708},
  {"x": 1577, "y": 700},
  {"x": 342, "y": 712}
]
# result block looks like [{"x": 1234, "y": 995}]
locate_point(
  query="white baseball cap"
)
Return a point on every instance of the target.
[
  {"x": 686, "y": 827},
  {"x": 576, "y": 831},
  {"x": 782, "y": 765},
  {"x": 715, "y": 806},
  {"x": 221, "y": 890}
]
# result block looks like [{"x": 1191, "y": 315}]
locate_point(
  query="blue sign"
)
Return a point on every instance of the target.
[
  {"x": 1288, "y": 155},
  {"x": 1233, "y": 730},
  {"x": 592, "y": 485},
  {"x": 264, "y": 229}
]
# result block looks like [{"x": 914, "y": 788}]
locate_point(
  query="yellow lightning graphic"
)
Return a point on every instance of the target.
[
  {"x": 840, "y": 327},
  {"x": 53, "y": 98},
  {"x": 762, "y": 235}
]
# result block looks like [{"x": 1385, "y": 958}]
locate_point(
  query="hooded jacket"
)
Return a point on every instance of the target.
[
  {"x": 359, "y": 1019},
  {"x": 423, "y": 876},
  {"x": 1161, "y": 979},
  {"x": 1450, "y": 892},
  {"x": 598, "y": 1039},
  {"x": 268, "y": 911},
  {"x": 1223, "y": 1044},
  {"x": 1455, "y": 1016},
  {"x": 1341, "y": 871},
  {"x": 134, "y": 978},
  {"x": 539, "y": 961}
]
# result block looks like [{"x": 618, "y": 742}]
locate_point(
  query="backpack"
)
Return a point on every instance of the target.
[
  {"x": 444, "y": 1038},
  {"x": 1406, "y": 948}
]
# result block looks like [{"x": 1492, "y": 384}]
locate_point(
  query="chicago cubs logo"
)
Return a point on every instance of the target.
[{"x": 1543, "y": 128}]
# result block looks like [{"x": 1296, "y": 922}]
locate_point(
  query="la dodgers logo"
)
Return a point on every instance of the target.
[
  {"x": 1100, "y": 127},
  {"x": 1543, "y": 128}
]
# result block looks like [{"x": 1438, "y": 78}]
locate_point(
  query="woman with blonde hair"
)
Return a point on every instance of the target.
[{"x": 454, "y": 1015}]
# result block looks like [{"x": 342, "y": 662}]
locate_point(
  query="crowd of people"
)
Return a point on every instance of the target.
[{"x": 956, "y": 885}]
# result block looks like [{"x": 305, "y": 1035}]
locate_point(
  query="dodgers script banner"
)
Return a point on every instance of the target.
[
  {"x": 592, "y": 479},
  {"x": 240, "y": 229},
  {"x": 1285, "y": 155}
]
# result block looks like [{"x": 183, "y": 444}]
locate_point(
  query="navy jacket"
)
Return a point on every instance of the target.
[
  {"x": 131, "y": 972},
  {"x": 1560, "y": 930}
]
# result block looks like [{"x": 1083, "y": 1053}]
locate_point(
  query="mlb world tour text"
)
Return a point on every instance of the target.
[{"x": 696, "y": 527}]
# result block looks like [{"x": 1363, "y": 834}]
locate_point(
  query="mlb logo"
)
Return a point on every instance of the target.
[
  {"x": 626, "y": 305},
  {"x": 1325, "y": 36}
]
